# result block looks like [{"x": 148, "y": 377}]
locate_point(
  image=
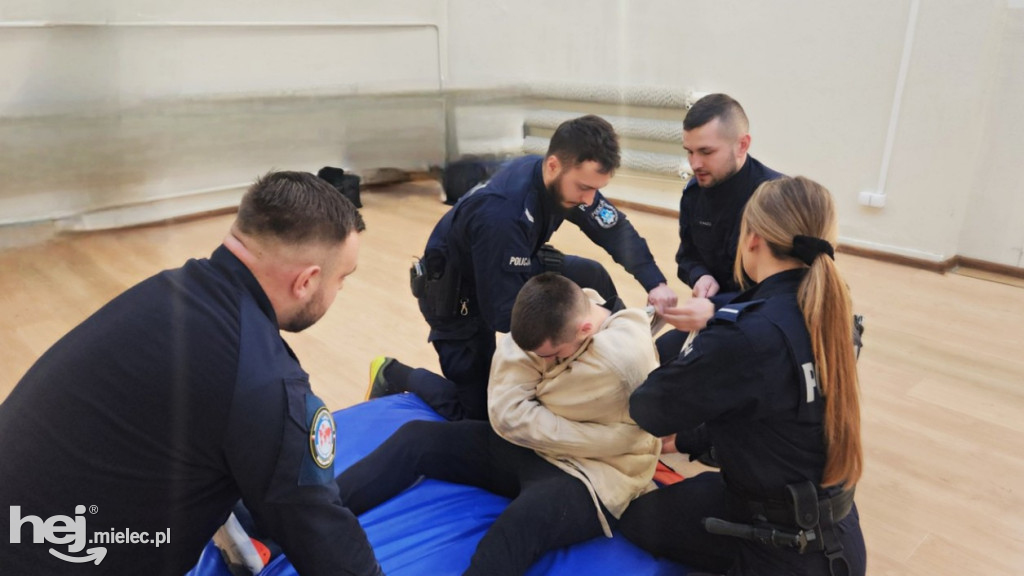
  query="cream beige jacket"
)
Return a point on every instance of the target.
[{"x": 575, "y": 414}]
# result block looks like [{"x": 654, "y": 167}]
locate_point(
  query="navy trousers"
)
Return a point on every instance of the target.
[
  {"x": 667, "y": 522},
  {"x": 549, "y": 509}
]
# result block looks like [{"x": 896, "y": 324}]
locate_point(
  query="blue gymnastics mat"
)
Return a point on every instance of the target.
[{"x": 433, "y": 528}]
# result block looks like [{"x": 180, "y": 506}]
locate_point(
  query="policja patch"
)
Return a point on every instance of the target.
[
  {"x": 514, "y": 261},
  {"x": 605, "y": 214}
]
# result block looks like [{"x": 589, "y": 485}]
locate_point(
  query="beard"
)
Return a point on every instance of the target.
[
  {"x": 555, "y": 189},
  {"x": 713, "y": 179},
  {"x": 312, "y": 312}
]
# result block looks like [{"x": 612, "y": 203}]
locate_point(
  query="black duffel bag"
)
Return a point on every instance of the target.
[{"x": 347, "y": 184}]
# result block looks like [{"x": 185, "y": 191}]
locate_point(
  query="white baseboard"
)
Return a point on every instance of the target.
[
  {"x": 894, "y": 250},
  {"x": 154, "y": 210}
]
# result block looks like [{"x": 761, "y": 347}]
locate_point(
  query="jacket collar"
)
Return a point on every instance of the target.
[
  {"x": 785, "y": 282},
  {"x": 240, "y": 275}
]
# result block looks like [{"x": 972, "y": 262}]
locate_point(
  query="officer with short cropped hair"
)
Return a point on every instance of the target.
[
  {"x": 716, "y": 138},
  {"x": 178, "y": 397},
  {"x": 493, "y": 240}
]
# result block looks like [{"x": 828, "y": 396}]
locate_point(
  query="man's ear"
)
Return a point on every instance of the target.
[
  {"x": 744, "y": 143},
  {"x": 306, "y": 282},
  {"x": 587, "y": 328},
  {"x": 554, "y": 165}
]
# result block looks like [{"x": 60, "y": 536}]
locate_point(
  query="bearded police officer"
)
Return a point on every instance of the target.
[{"x": 493, "y": 240}]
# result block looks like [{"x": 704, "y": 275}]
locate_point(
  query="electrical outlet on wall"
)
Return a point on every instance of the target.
[{"x": 873, "y": 199}]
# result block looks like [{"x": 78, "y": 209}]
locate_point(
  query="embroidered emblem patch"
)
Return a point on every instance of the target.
[
  {"x": 605, "y": 214},
  {"x": 321, "y": 438}
]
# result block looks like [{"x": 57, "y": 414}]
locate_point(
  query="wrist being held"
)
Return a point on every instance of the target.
[{"x": 705, "y": 287}]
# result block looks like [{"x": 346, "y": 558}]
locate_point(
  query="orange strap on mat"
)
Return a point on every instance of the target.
[{"x": 666, "y": 476}]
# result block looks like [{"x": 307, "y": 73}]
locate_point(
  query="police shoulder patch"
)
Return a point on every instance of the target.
[
  {"x": 605, "y": 214},
  {"x": 322, "y": 438}
]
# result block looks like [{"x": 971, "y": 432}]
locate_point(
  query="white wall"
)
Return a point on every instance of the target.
[
  {"x": 61, "y": 56},
  {"x": 93, "y": 115},
  {"x": 57, "y": 167},
  {"x": 994, "y": 227},
  {"x": 818, "y": 81},
  {"x": 125, "y": 103},
  {"x": 74, "y": 68}
]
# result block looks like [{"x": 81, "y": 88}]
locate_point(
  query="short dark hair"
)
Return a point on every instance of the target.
[
  {"x": 586, "y": 138},
  {"x": 545, "y": 309},
  {"x": 297, "y": 208},
  {"x": 721, "y": 106}
]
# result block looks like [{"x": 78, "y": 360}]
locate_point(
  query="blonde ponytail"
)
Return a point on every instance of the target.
[{"x": 779, "y": 211}]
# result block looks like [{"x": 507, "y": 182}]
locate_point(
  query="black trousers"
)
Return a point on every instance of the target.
[
  {"x": 550, "y": 509},
  {"x": 466, "y": 360},
  {"x": 667, "y": 522}
]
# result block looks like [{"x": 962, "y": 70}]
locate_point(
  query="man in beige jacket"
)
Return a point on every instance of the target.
[{"x": 562, "y": 447}]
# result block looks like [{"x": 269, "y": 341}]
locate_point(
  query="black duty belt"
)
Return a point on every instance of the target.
[
  {"x": 803, "y": 506},
  {"x": 806, "y": 523}
]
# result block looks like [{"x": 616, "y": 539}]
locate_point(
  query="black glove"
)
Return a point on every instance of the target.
[
  {"x": 697, "y": 443},
  {"x": 552, "y": 258}
]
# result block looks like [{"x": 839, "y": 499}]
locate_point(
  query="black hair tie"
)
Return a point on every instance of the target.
[{"x": 807, "y": 248}]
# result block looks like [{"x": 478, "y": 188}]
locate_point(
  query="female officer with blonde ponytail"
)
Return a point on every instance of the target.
[{"x": 773, "y": 376}]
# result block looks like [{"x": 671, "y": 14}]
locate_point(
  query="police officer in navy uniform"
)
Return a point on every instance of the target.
[
  {"x": 773, "y": 375},
  {"x": 493, "y": 240},
  {"x": 177, "y": 398},
  {"x": 716, "y": 137}
]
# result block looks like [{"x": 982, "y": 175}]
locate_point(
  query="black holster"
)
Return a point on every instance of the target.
[
  {"x": 435, "y": 281},
  {"x": 806, "y": 522},
  {"x": 858, "y": 334}
]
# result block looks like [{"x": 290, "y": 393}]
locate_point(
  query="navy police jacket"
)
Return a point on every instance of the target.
[
  {"x": 709, "y": 225},
  {"x": 493, "y": 235},
  {"x": 153, "y": 417},
  {"x": 750, "y": 376}
]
